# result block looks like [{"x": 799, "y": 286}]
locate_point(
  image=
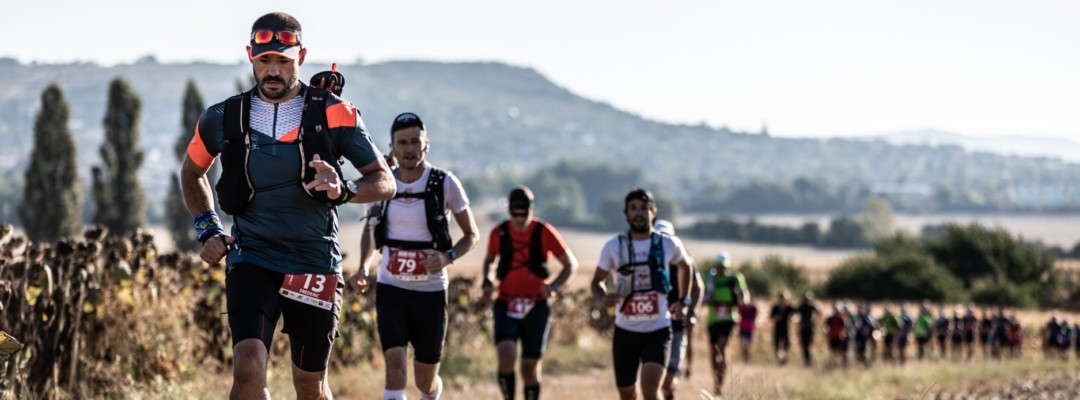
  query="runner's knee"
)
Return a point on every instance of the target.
[{"x": 249, "y": 363}]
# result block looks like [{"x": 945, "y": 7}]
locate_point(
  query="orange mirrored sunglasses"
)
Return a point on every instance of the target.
[{"x": 264, "y": 36}]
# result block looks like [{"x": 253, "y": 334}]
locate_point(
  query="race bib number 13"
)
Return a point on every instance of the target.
[
  {"x": 313, "y": 289},
  {"x": 406, "y": 265}
]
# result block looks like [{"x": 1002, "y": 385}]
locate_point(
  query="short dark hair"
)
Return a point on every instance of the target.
[
  {"x": 639, "y": 194},
  {"x": 520, "y": 198},
  {"x": 276, "y": 20}
]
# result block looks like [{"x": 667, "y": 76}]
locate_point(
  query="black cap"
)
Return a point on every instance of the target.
[
  {"x": 520, "y": 198},
  {"x": 406, "y": 120}
]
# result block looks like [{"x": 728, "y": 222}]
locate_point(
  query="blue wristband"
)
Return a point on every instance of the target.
[{"x": 208, "y": 225}]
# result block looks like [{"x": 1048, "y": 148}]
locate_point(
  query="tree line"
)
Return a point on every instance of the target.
[{"x": 52, "y": 204}]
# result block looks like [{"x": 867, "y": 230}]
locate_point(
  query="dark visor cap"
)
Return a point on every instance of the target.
[{"x": 405, "y": 121}]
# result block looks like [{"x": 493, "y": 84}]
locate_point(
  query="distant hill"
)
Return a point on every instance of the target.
[
  {"x": 486, "y": 118},
  {"x": 1005, "y": 145}
]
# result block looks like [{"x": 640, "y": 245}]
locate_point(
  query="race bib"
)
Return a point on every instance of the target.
[
  {"x": 313, "y": 289},
  {"x": 519, "y": 307},
  {"x": 642, "y": 306},
  {"x": 723, "y": 311},
  {"x": 406, "y": 265}
]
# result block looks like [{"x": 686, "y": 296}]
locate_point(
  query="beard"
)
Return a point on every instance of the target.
[
  {"x": 641, "y": 226},
  {"x": 287, "y": 84}
]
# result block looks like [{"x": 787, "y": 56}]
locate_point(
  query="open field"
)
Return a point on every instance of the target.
[
  {"x": 586, "y": 247},
  {"x": 1053, "y": 229}
]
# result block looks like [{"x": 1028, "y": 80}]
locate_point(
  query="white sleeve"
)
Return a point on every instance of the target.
[
  {"x": 676, "y": 249},
  {"x": 456, "y": 199},
  {"x": 609, "y": 256}
]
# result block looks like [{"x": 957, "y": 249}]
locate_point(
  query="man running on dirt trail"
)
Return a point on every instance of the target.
[
  {"x": 638, "y": 260},
  {"x": 282, "y": 184},
  {"x": 522, "y": 312}
]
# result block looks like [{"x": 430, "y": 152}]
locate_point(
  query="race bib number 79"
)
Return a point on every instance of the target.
[
  {"x": 406, "y": 265},
  {"x": 313, "y": 289}
]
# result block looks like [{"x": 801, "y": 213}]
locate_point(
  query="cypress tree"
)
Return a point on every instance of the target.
[
  {"x": 179, "y": 219},
  {"x": 117, "y": 192},
  {"x": 50, "y": 207}
]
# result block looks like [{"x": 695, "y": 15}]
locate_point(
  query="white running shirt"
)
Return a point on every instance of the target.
[
  {"x": 407, "y": 220},
  {"x": 649, "y": 310}
]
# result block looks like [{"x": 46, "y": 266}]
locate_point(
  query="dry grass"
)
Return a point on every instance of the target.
[{"x": 584, "y": 372}]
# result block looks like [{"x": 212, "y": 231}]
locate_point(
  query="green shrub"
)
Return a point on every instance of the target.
[
  {"x": 785, "y": 274},
  {"x": 1005, "y": 295},
  {"x": 758, "y": 281},
  {"x": 898, "y": 277}
]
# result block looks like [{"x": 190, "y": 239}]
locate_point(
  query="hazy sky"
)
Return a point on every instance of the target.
[{"x": 806, "y": 68}]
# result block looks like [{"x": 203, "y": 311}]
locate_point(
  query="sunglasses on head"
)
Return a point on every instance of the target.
[
  {"x": 264, "y": 36},
  {"x": 519, "y": 214}
]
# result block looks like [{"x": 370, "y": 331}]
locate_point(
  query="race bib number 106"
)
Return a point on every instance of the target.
[
  {"x": 313, "y": 289},
  {"x": 642, "y": 306}
]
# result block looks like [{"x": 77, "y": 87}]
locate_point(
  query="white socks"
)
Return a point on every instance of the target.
[{"x": 400, "y": 394}]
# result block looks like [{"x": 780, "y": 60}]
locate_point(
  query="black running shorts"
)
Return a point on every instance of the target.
[
  {"x": 718, "y": 330},
  {"x": 254, "y": 305},
  {"x": 531, "y": 330},
  {"x": 412, "y": 317},
  {"x": 631, "y": 349}
]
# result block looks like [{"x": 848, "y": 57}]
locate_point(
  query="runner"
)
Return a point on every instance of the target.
[
  {"x": 852, "y": 314},
  {"x": 890, "y": 324},
  {"x": 640, "y": 260},
  {"x": 969, "y": 323},
  {"x": 681, "y": 329},
  {"x": 924, "y": 323},
  {"x": 807, "y": 323},
  {"x": 986, "y": 332},
  {"x": 865, "y": 330},
  {"x": 1000, "y": 339},
  {"x": 1053, "y": 332},
  {"x": 781, "y": 316},
  {"x": 282, "y": 256},
  {"x": 836, "y": 330},
  {"x": 941, "y": 328},
  {"x": 748, "y": 313},
  {"x": 957, "y": 329},
  {"x": 725, "y": 290},
  {"x": 522, "y": 244},
  {"x": 903, "y": 335},
  {"x": 412, "y": 235},
  {"x": 1065, "y": 340}
]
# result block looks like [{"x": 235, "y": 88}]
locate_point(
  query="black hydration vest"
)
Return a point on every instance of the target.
[
  {"x": 434, "y": 206},
  {"x": 658, "y": 272},
  {"x": 234, "y": 188},
  {"x": 537, "y": 257}
]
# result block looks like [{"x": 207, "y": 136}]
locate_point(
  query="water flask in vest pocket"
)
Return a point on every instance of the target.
[
  {"x": 374, "y": 216},
  {"x": 624, "y": 283}
]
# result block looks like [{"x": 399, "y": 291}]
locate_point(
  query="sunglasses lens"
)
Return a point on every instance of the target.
[
  {"x": 263, "y": 36},
  {"x": 288, "y": 38}
]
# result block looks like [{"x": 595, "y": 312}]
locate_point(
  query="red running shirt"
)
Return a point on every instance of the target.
[{"x": 519, "y": 281}]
